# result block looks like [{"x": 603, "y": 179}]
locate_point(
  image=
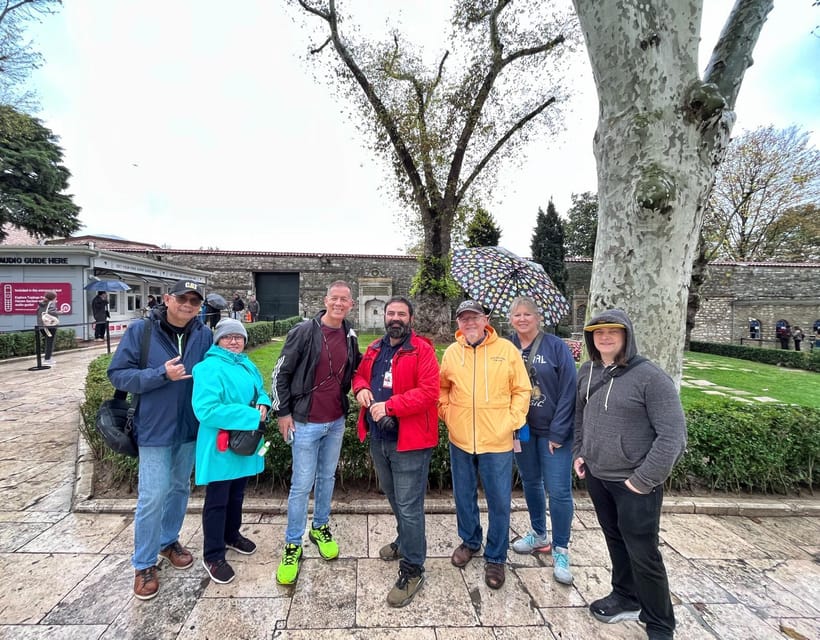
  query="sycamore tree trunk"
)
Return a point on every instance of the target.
[{"x": 662, "y": 130}]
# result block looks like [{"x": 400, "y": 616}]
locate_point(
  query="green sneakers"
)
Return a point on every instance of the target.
[
  {"x": 322, "y": 538},
  {"x": 289, "y": 567}
]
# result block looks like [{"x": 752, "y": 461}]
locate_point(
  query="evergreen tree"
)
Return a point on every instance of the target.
[
  {"x": 582, "y": 225},
  {"x": 547, "y": 245},
  {"x": 33, "y": 179},
  {"x": 483, "y": 231}
]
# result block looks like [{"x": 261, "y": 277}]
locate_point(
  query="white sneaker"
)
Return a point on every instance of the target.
[
  {"x": 50, "y": 363},
  {"x": 532, "y": 542}
]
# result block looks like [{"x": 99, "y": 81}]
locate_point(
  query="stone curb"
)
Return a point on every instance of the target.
[{"x": 84, "y": 502}]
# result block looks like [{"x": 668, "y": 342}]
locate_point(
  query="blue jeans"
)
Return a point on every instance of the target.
[
  {"x": 316, "y": 450},
  {"x": 541, "y": 470},
  {"x": 403, "y": 478},
  {"x": 495, "y": 470},
  {"x": 162, "y": 498}
]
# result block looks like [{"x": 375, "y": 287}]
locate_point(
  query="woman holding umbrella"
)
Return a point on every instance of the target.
[{"x": 545, "y": 459}]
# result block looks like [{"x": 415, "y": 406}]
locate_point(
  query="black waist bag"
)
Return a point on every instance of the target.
[{"x": 245, "y": 443}]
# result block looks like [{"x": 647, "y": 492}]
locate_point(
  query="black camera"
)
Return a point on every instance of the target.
[{"x": 388, "y": 423}]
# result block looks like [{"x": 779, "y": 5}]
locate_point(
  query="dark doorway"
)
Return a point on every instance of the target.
[{"x": 278, "y": 295}]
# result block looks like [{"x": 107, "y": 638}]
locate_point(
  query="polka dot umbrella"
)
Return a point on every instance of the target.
[{"x": 496, "y": 276}]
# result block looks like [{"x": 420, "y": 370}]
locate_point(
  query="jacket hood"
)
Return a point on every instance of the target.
[
  {"x": 611, "y": 316},
  {"x": 223, "y": 354}
]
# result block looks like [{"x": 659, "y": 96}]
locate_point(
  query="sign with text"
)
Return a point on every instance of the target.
[{"x": 23, "y": 297}]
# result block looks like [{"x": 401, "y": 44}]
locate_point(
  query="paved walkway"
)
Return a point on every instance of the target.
[{"x": 738, "y": 569}]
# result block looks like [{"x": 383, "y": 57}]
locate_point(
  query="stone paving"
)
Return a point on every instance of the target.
[{"x": 739, "y": 569}]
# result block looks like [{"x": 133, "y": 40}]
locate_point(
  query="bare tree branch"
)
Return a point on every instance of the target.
[
  {"x": 732, "y": 54},
  {"x": 501, "y": 141}
]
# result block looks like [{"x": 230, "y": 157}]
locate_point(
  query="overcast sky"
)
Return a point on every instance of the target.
[{"x": 193, "y": 125}]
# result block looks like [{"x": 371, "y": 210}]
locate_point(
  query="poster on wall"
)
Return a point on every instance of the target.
[{"x": 23, "y": 297}]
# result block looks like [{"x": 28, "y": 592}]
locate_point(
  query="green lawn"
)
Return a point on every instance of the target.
[
  {"x": 790, "y": 386},
  {"x": 736, "y": 378}
]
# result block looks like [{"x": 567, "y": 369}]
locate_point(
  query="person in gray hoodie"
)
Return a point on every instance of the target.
[{"x": 630, "y": 430}]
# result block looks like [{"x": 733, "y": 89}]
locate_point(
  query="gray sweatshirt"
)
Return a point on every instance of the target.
[{"x": 632, "y": 427}]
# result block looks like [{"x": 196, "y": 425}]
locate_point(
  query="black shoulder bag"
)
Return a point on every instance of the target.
[
  {"x": 244, "y": 442},
  {"x": 115, "y": 417}
]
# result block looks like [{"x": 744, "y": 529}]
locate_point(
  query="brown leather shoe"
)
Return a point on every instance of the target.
[
  {"x": 146, "y": 583},
  {"x": 494, "y": 575},
  {"x": 177, "y": 555},
  {"x": 462, "y": 555}
]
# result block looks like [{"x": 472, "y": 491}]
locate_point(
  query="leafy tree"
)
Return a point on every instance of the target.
[
  {"x": 662, "y": 131},
  {"x": 445, "y": 127},
  {"x": 582, "y": 225},
  {"x": 795, "y": 236},
  {"x": 32, "y": 178},
  {"x": 17, "y": 57},
  {"x": 483, "y": 231},
  {"x": 766, "y": 175},
  {"x": 547, "y": 245}
]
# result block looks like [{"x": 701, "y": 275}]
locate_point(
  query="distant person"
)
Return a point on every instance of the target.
[
  {"x": 798, "y": 336},
  {"x": 228, "y": 390},
  {"x": 754, "y": 329},
  {"x": 783, "y": 333},
  {"x": 396, "y": 385},
  {"x": 545, "y": 459},
  {"x": 630, "y": 431},
  {"x": 212, "y": 315},
  {"x": 165, "y": 425},
  {"x": 99, "y": 309},
  {"x": 49, "y": 306},
  {"x": 152, "y": 302},
  {"x": 311, "y": 381},
  {"x": 484, "y": 395},
  {"x": 253, "y": 308},
  {"x": 237, "y": 307}
]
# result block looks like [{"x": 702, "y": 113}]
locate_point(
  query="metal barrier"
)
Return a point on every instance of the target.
[{"x": 38, "y": 346}]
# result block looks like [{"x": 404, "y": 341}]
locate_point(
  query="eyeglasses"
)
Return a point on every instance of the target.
[
  {"x": 233, "y": 337},
  {"x": 194, "y": 301}
]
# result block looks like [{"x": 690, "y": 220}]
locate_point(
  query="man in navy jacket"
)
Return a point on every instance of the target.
[{"x": 165, "y": 426}]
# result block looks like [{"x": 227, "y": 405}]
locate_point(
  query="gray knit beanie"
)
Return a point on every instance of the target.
[{"x": 229, "y": 326}]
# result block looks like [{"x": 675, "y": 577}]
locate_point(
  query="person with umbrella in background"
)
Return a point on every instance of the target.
[
  {"x": 99, "y": 309},
  {"x": 545, "y": 459},
  {"x": 212, "y": 309}
]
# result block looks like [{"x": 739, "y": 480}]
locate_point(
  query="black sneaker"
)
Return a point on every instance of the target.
[
  {"x": 242, "y": 545},
  {"x": 220, "y": 571},
  {"x": 613, "y": 609}
]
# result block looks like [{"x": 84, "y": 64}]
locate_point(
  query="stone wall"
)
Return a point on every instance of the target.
[{"x": 733, "y": 292}]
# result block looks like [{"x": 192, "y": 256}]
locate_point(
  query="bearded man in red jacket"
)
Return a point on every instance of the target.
[{"x": 396, "y": 385}]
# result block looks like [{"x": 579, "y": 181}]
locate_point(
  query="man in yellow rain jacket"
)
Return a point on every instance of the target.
[{"x": 484, "y": 397}]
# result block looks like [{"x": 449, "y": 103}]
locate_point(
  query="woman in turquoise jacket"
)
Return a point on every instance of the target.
[{"x": 228, "y": 395}]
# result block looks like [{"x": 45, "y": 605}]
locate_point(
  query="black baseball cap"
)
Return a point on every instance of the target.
[{"x": 186, "y": 286}]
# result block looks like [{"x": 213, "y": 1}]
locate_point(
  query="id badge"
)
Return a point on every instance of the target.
[
  {"x": 516, "y": 445},
  {"x": 388, "y": 380}
]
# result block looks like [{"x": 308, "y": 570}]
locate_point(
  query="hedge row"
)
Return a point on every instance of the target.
[
  {"x": 809, "y": 360},
  {"x": 263, "y": 332},
  {"x": 22, "y": 343},
  {"x": 732, "y": 446}
]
